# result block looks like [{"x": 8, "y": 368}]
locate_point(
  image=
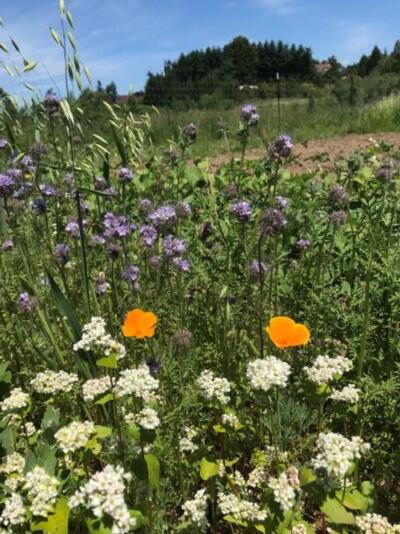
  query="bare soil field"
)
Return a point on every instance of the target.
[{"x": 306, "y": 154}]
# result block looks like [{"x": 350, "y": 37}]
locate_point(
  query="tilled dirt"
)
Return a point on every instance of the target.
[{"x": 329, "y": 150}]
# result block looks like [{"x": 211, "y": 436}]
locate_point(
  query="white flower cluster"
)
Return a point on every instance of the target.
[
  {"x": 30, "y": 429},
  {"x": 336, "y": 453},
  {"x": 95, "y": 337},
  {"x": 240, "y": 509},
  {"x": 74, "y": 436},
  {"x": 375, "y": 524},
  {"x": 230, "y": 419},
  {"x": 257, "y": 477},
  {"x": 349, "y": 394},
  {"x": 186, "y": 443},
  {"x": 104, "y": 495},
  {"x": 325, "y": 369},
  {"x": 13, "y": 512},
  {"x": 42, "y": 491},
  {"x": 13, "y": 463},
  {"x": 52, "y": 382},
  {"x": 95, "y": 387},
  {"x": 148, "y": 419},
  {"x": 137, "y": 382},
  {"x": 265, "y": 373},
  {"x": 195, "y": 510},
  {"x": 213, "y": 387},
  {"x": 15, "y": 401},
  {"x": 299, "y": 529},
  {"x": 284, "y": 488}
]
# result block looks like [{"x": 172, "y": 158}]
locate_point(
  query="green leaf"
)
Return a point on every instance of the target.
[
  {"x": 51, "y": 418},
  {"x": 307, "y": 476},
  {"x": 119, "y": 145},
  {"x": 336, "y": 512},
  {"x": 109, "y": 361},
  {"x": 102, "y": 432},
  {"x": 260, "y": 528},
  {"x": 95, "y": 526},
  {"x": 233, "y": 520},
  {"x": 105, "y": 399},
  {"x": 94, "y": 446},
  {"x": 354, "y": 500},
  {"x": 7, "y": 440},
  {"x": 219, "y": 429},
  {"x": 367, "y": 488},
  {"x": 56, "y": 523},
  {"x": 153, "y": 470},
  {"x": 133, "y": 432},
  {"x": 208, "y": 469},
  {"x": 5, "y": 376}
]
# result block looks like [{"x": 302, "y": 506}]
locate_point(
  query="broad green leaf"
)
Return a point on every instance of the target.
[
  {"x": 51, "y": 418},
  {"x": 102, "y": 432},
  {"x": 208, "y": 469},
  {"x": 354, "y": 500},
  {"x": 234, "y": 521},
  {"x": 109, "y": 361},
  {"x": 93, "y": 445},
  {"x": 7, "y": 439},
  {"x": 105, "y": 399},
  {"x": 95, "y": 526},
  {"x": 153, "y": 470},
  {"x": 56, "y": 523},
  {"x": 336, "y": 512},
  {"x": 307, "y": 476}
]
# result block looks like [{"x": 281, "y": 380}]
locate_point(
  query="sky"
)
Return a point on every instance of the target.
[{"x": 122, "y": 40}]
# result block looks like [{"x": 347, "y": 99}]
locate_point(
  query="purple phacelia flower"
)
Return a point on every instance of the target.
[
  {"x": 273, "y": 221},
  {"x": 52, "y": 103},
  {"x": 182, "y": 264},
  {"x": 338, "y": 217},
  {"x": 61, "y": 254},
  {"x": 110, "y": 193},
  {"x": 102, "y": 286},
  {"x": 3, "y": 144},
  {"x": 125, "y": 174},
  {"x": 183, "y": 338},
  {"x": 27, "y": 162},
  {"x": 113, "y": 250},
  {"x": 15, "y": 174},
  {"x": 26, "y": 303},
  {"x": 249, "y": 114},
  {"x": 148, "y": 235},
  {"x": 131, "y": 274},
  {"x": 155, "y": 262},
  {"x": 7, "y": 245},
  {"x": 117, "y": 226},
  {"x": 23, "y": 191},
  {"x": 281, "y": 202},
  {"x": 206, "y": 231},
  {"x": 153, "y": 365},
  {"x": 386, "y": 170},
  {"x": 164, "y": 216},
  {"x": 7, "y": 185},
  {"x": 241, "y": 210},
  {"x": 72, "y": 228},
  {"x": 282, "y": 147},
  {"x": 303, "y": 244},
  {"x": 258, "y": 270},
  {"x": 39, "y": 206},
  {"x": 183, "y": 209},
  {"x": 190, "y": 132},
  {"x": 97, "y": 240},
  {"x": 145, "y": 206},
  {"x": 173, "y": 246},
  {"x": 338, "y": 196},
  {"x": 47, "y": 190}
]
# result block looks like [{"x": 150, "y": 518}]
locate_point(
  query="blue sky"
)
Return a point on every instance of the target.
[{"x": 122, "y": 40}]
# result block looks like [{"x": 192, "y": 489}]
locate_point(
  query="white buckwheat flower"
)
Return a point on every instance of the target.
[
  {"x": 265, "y": 373},
  {"x": 230, "y": 419},
  {"x": 284, "y": 488},
  {"x": 104, "y": 495},
  {"x": 95, "y": 337},
  {"x": 13, "y": 512},
  {"x": 30, "y": 429},
  {"x": 74, "y": 436},
  {"x": 13, "y": 463},
  {"x": 240, "y": 509},
  {"x": 42, "y": 491},
  {"x": 375, "y": 524},
  {"x": 137, "y": 382},
  {"x": 349, "y": 394},
  {"x": 95, "y": 387},
  {"x": 336, "y": 453},
  {"x": 186, "y": 443},
  {"x": 148, "y": 419},
  {"x": 212, "y": 387},
  {"x": 326, "y": 369},
  {"x": 195, "y": 510},
  {"x": 52, "y": 382},
  {"x": 15, "y": 401},
  {"x": 257, "y": 477},
  {"x": 299, "y": 529}
]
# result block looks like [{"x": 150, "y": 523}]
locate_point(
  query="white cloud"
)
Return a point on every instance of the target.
[{"x": 357, "y": 39}]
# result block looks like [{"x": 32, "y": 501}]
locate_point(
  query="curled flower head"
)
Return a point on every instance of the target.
[
  {"x": 139, "y": 323},
  {"x": 284, "y": 332}
]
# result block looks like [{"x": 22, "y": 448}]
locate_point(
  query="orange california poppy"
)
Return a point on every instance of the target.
[
  {"x": 284, "y": 332},
  {"x": 139, "y": 323}
]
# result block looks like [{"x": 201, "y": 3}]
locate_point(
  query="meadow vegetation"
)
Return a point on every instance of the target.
[{"x": 193, "y": 350}]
